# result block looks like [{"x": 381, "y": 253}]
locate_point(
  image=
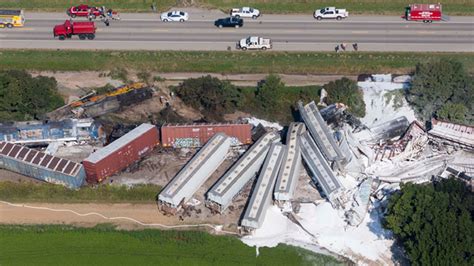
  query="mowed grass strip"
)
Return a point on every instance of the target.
[
  {"x": 381, "y": 7},
  {"x": 103, "y": 245},
  {"x": 225, "y": 62},
  {"x": 44, "y": 192}
]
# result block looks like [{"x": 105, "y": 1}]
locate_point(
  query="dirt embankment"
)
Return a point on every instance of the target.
[{"x": 125, "y": 216}]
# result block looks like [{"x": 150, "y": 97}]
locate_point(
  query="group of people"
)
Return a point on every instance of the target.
[
  {"x": 104, "y": 16},
  {"x": 343, "y": 46}
]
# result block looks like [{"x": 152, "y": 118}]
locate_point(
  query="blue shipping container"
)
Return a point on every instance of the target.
[{"x": 41, "y": 166}]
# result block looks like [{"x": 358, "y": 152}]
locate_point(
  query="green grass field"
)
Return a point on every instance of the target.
[
  {"x": 388, "y": 7},
  {"x": 224, "y": 62},
  {"x": 103, "y": 245},
  {"x": 44, "y": 192}
]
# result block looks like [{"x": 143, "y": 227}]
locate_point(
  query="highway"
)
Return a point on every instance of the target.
[{"x": 288, "y": 33}]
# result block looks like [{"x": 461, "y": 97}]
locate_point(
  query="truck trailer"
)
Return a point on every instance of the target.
[{"x": 423, "y": 12}]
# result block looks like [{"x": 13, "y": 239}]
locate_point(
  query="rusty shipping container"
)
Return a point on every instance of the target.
[
  {"x": 121, "y": 153},
  {"x": 196, "y": 135},
  {"x": 39, "y": 165}
]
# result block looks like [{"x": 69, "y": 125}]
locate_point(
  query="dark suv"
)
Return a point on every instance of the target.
[{"x": 229, "y": 22}]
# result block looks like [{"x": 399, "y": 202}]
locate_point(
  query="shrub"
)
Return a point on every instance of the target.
[
  {"x": 454, "y": 112},
  {"x": 213, "y": 97},
  {"x": 434, "y": 222},
  {"x": 23, "y": 97},
  {"x": 346, "y": 91},
  {"x": 442, "y": 86},
  {"x": 119, "y": 74},
  {"x": 144, "y": 76}
]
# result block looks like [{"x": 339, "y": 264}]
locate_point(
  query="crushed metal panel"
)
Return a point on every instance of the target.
[{"x": 457, "y": 134}]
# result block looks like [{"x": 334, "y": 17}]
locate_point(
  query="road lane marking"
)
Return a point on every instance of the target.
[
  {"x": 426, "y": 32},
  {"x": 360, "y": 32}
]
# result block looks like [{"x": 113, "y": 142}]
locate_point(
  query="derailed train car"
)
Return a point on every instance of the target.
[
  {"x": 39, "y": 165},
  {"x": 45, "y": 132}
]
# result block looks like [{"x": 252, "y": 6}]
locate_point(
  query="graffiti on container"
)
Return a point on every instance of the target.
[
  {"x": 56, "y": 181},
  {"x": 235, "y": 141},
  {"x": 186, "y": 143},
  {"x": 145, "y": 150}
]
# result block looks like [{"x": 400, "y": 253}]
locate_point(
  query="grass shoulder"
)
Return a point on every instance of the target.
[
  {"x": 225, "y": 62},
  {"x": 45, "y": 192}
]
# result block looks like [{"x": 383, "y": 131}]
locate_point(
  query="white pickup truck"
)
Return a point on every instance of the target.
[
  {"x": 330, "y": 13},
  {"x": 245, "y": 12},
  {"x": 254, "y": 43}
]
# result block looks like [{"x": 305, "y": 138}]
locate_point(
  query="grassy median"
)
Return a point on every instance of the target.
[
  {"x": 44, "y": 192},
  {"x": 104, "y": 245},
  {"x": 224, "y": 62},
  {"x": 381, "y": 7}
]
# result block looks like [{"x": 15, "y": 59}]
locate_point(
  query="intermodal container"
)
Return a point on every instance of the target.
[
  {"x": 42, "y": 166},
  {"x": 196, "y": 135},
  {"x": 121, "y": 153}
]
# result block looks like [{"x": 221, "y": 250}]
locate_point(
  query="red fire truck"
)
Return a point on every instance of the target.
[
  {"x": 84, "y": 11},
  {"x": 423, "y": 12},
  {"x": 85, "y": 30}
]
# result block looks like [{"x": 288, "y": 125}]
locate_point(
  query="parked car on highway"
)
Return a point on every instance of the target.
[
  {"x": 245, "y": 12},
  {"x": 174, "y": 16},
  {"x": 330, "y": 13},
  {"x": 254, "y": 43},
  {"x": 229, "y": 22},
  {"x": 84, "y": 11}
]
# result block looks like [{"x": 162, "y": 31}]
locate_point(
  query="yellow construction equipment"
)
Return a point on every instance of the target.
[{"x": 117, "y": 91}]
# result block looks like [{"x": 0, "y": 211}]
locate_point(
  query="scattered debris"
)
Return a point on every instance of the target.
[{"x": 457, "y": 135}]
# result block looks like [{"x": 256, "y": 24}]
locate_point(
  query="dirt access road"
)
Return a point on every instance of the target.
[{"x": 125, "y": 216}]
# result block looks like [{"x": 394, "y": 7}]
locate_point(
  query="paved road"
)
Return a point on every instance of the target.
[{"x": 288, "y": 32}]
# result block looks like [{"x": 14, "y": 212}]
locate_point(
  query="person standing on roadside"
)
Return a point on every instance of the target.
[
  {"x": 355, "y": 46},
  {"x": 337, "y": 48},
  {"x": 343, "y": 46}
]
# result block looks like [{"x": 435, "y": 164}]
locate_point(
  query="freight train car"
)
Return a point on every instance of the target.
[
  {"x": 195, "y": 135},
  {"x": 121, "y": 153},
  {"x": 45, "y": 132},
  {"x": 40, "y": 165}
]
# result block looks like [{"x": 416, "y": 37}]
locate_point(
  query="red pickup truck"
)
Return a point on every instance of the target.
[
  {"x": 85, "y": 30},
  {"x": 84, "y": 11}
]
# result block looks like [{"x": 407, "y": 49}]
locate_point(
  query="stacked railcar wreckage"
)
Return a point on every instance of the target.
[
  {"x": 193, "y": 175},
  {"x": 291, "y": 165},
  {"x": 220, "y": 196},
  {"x": 320, "y": 170},
  {"x": 321, "y": 133},
  {"x": 262, "y": 193}
]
